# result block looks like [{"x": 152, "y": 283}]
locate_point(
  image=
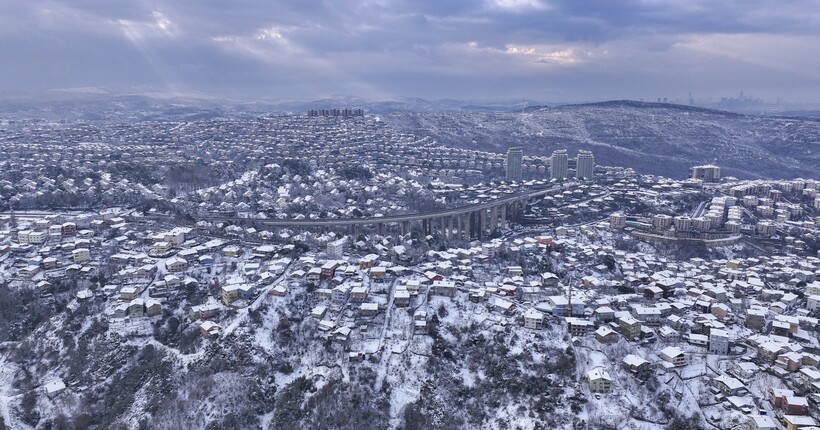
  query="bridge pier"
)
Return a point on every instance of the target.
[
  {"x": 458, "y": 226},
  {"x": 483, "y": 230},
  {"x": 405, "y": 227},
  {"x": 380, "y": 227}
]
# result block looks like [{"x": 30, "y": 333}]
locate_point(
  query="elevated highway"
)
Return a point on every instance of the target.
[{"x": 473, "y": 220}]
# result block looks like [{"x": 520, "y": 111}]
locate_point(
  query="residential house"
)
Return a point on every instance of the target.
[
  {"x": 630, "y": 327},
  {"x": 604, "y": 334},
  {"x": 54, "y": 388},
  {"x": 599, "y": 381},
  {"x": 420, "y": 322},
  {"x": 401, "y": 298},
  {"x": 560, "y": 306},
  {"x": 69, "y": 229},
  {"x": 756, "y": 318},
  {"x": 605, "y": 313},
  {"x": 650, "y": 316},
  {"x": 746, "y": 369},
  {"x": 721, "y": 311},
  {"x": 549, "y": 279},
  {"x": 329, "y": 269},
  {"x": 808, "y": 376},
  {"x": 210, "y": 329},
  {"x": 335, "y": 249},
  {"x": 718, "y": 342},
  {"x": 578, "y": 326},
  {"x": 503, "y": 306},
  {"x": 159, "y": 248},
  {"x": 341, "y": 334},
  {"x": 204, "y": 311},
  {"x": 136, "y": 308},
  {"x": 762, "y": 422},
  {"x": 794, "y": 405},
  {"x": 176, "y": 264},
  {"x": 314, "y": 274},
  {"x": 675, "y": 356},
  {"x": 728, "y": 385},
  {"x": 341, "y": 293},
  {"x": 795, "y": 422},
  {"x": 318, "y": 312},
  {"x": 129, "y": 293},
  {"x": 791, "y": 361},
  {"x": 368, "y": 309},
  {"x": 668, "y": 334},
  {"x": 653, "y": 293},
  {"x": 230, "y": 293},
  {"x": 378, "y": 273},
  {"x": 776, "y": 396},
  {"x": 358, "y": 294},
  {"x": 533, "y": 319},
  {"x": 443, "y": 288},
  {"x": 81, "y": 255},
  {"x": 153, "y": 307},
  {"x": 635, "y": 364}
]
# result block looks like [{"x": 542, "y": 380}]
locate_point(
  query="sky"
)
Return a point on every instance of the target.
[{"x": 545, "y": 50}]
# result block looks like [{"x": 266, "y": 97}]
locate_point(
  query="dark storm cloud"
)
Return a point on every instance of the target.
[{"x": 565, "y": 49}]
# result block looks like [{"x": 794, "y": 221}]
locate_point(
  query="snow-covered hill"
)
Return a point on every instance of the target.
[{"x": 650, "y": 137}]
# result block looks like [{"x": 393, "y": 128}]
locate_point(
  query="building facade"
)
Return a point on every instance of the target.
[
  {"x": 558, "y": 164},
  {"x": 514, "y": 160},
  {"x": 706, "y": 173},
  {"x": 584, "y": 165}
]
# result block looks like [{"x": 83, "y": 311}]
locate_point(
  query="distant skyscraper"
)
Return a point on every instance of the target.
[
  {"x": 706, "y": 173},
  {"x": 584, "y": 165},
  {"x": 558, "y": 164},
  {"x": 515, "y": 157}
]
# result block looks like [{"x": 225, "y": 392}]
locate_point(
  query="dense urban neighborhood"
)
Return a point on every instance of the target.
[{"x": 327, "y": 270}]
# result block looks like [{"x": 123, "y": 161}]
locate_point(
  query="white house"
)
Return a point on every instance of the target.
[
  {"x": 599, "y": 381},
  {"x": 533, "y": 319},
  {"x": 54, "y": 388},
  {"x": 675, "y": 356}
]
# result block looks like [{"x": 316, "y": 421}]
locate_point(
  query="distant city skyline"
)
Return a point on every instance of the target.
[{"x": 553, "y": 51}]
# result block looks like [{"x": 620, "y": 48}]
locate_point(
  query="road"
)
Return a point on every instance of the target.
[
  {"x": 6, "y": 397},
  {"x": 387, "y": 314},
  {"x": 358, "y": 221},
  {"x": 700, "y": 209},
  {"x": 242, "y": 313},
  {"x": 387, "y": 219}
]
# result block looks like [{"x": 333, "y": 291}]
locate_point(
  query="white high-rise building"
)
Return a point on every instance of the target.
[
  {"x": 584, "y": 165},
  {"x": 706, "y": 173},
  {"x": 558, "y": 164},
  {"x": 515, "y": 157}
]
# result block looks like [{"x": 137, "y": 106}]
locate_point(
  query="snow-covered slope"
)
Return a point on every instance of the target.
[{"x": 652, "y": 138}]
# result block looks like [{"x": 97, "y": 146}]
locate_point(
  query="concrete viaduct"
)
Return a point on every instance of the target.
[{"x": 466, "y": 222}]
